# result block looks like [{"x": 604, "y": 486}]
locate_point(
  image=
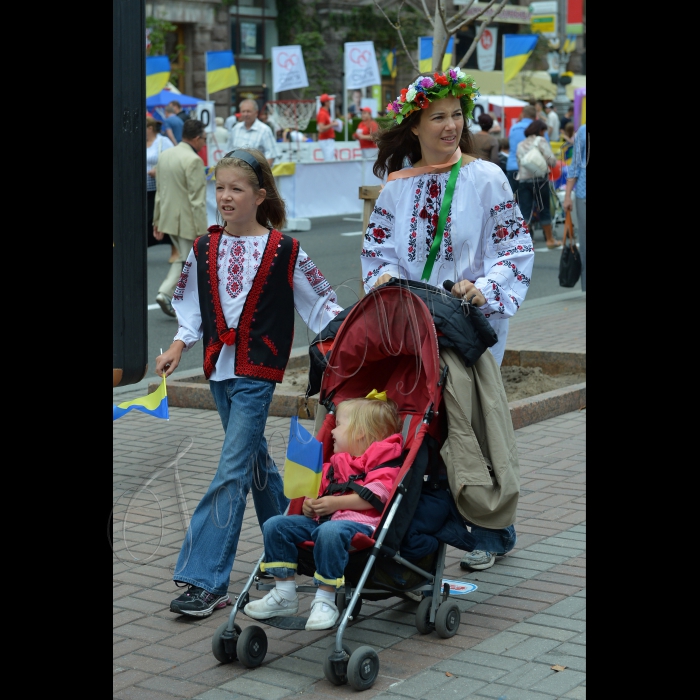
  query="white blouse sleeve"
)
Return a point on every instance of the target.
[
  {"x": 379, "y": 254},
  {"x": 509, "y": 253},
  {"x": 186, "y": 304},
  {"x": 314, "y": 298}
]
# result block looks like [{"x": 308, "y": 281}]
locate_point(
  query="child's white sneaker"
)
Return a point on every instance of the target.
[
  {"x": 271, "y": 605},
  {"x": 324, "y": 615}
]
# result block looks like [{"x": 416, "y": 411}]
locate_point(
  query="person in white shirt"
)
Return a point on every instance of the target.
[
  {"x": 252, "y": 133},
  {"x": 552, "y": 122}
]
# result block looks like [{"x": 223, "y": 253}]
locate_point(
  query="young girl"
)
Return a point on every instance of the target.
[
  {"x": 366, "y": 436},
  {"x": 238, "y": 291}
]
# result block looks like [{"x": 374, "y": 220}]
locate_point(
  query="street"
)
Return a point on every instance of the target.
[{"x": 334, "y": 244}]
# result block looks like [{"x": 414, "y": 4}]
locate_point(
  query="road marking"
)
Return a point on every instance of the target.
[
  {"x": 150, "y": 307},
  {"x": 353, "y": 233},
  {"x": 347, "y": 218}
]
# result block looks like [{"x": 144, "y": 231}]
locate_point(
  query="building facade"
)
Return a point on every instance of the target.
[{"x": 249, "y": 28}]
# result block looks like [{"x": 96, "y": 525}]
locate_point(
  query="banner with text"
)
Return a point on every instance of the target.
[
  {"x": 288, "y": 69},
  {"x": 486, "y": 49},
  {"x": 361, "y": 67}
]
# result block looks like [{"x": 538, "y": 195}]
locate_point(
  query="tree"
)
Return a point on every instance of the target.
[{"x": 442, "y": 27}]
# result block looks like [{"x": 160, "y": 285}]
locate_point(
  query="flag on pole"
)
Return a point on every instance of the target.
[
  {"x": 157, "y": 74},
  {"x": 155, "y": 404},
  {"x": 221, "y": 71},
  {"x": 569, "y": 44},
  {"x": 303, "y": 464},
  {"x": 425, "y": 54},
  {"x": 516, "y": 50},
  {"x": 391, "y": 63}
]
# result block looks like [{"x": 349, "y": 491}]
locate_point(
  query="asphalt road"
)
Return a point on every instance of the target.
[{"x": 334, "y": 244}]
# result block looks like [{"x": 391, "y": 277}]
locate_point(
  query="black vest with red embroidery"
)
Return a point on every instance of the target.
[{"x": 266, "y": 326}]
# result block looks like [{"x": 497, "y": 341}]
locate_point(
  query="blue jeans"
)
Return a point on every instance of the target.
[
  {"x": 207, "y": 554},
  {"x": 331, "y": 545},
  {"x": 494, "y": 541}
]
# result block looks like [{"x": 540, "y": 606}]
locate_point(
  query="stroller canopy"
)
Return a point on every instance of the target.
[{"x": 388, "y": 342}]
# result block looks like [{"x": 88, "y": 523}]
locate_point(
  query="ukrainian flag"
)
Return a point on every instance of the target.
[
  {"x": 303, "y": 464},
  {"x": 391, "y": 63},
  {"x": 221, "y": 71},
  {"x": 155, "y": 404},
  {"x": 425, "y": 54},
  {"x": 516, "y": 50},
  {"x": 157, "y": 74},
  {"x": 569, "y": 44}
]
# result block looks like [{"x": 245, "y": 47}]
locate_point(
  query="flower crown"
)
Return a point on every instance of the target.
[{"x": 424, "y": 90}]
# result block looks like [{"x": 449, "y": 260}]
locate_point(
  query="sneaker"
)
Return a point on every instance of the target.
[
  {"x": 416, "y": 596},
  {"x": 165, "y": 304},
  {"x": 477, "y": 560},
  {"x": 271, "y": 605},
  {"x": 197, "y": 602},
  {"x": 324, "y": 615}
]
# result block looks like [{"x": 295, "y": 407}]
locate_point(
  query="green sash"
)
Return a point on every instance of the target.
[{"x": 444, "y": 210}]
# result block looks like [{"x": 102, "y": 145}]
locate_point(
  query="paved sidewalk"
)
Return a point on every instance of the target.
[{"x": 527, "y": 615}]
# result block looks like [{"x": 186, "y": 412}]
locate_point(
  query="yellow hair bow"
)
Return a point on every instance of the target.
[{"x": 374, "y": 394}]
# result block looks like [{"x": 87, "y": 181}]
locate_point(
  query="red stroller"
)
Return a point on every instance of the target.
[{"x": 388, "y": 341}]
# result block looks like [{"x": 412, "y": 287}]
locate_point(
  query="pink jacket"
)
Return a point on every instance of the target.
[{"x": 380, "y": 481}]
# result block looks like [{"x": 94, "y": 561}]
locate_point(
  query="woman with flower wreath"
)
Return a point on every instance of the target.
[{"x": 445, "y": 214}]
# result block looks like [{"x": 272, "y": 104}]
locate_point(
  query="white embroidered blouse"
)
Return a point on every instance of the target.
[
  {"x": 237, "y": 263},
  {"x": 485, "y": 239}
]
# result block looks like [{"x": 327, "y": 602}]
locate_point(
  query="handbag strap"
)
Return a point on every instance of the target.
[
  {"x": 444, "y": 210},
  {"x": 568, "y": 230}
]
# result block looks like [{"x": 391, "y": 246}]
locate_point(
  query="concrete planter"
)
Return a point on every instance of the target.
[{"x": 191, "y": 390}]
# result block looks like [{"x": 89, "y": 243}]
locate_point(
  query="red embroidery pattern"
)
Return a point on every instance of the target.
[
  {"x": 182, "y": 282},
  {"x": 267, "y": 340},
  {"x": 234, "y": 278},
  {"x": 293, "y": 262},
  {"x": 318, "y": 282}
]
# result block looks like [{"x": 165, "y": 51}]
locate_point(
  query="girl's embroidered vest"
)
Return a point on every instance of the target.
[{"x": 266, "y": 327}]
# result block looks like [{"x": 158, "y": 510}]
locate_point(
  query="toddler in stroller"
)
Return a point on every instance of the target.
[
  {"x": 354, "y": 487},
  {"x": 388, "y": 339}
]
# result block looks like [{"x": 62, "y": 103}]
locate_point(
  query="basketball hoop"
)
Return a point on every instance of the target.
[{"x": 291, "y": 114}]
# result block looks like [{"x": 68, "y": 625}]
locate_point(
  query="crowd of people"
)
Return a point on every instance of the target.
[{"x": 235, "y": 286}]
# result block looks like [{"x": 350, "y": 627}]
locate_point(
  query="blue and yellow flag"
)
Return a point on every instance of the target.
[
  {"x": 391, "y": 63},
  {"x": 303, "y": 464},
  {"x": 425, "y": 54},
  {"x": 569, "y": 44},
  {"x": 221, "y": 71},
  {"x": 157, "y": 74},
  {"x": 516, "y": 50},
  {"x": 155, "y": 404}
]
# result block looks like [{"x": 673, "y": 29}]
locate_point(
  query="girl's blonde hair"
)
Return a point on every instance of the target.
[
  {"x": 371, "y": 418},
  {"x": 272, "y": 212}
]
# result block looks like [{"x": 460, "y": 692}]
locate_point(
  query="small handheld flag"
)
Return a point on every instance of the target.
[
  {"x": 221, "y": 70},
  {"x": 157, "y": 74},
  {"x": 425, "y": 54},
  {"x": 303, "y": 464},
  {"x": 516, "y": 50},
  {"x": 155, "y": 404}
]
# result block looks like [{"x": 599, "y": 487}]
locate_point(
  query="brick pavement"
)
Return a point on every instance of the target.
[{"x": 527, "y": 615}]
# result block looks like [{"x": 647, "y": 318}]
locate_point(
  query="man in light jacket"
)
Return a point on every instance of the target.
[{"x": 180, "y": 208}]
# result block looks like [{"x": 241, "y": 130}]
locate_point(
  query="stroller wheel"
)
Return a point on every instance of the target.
[
  {"x": 218, "y": 646},
  {"x": 363, "y": 668},
  {"x": 423, "y": 624},
  {"x": 447, "y": 620},
  {"x": 252, "y": 646},
  {"x": 340, "y": 603},
  {"x": 336, "y": 672}
]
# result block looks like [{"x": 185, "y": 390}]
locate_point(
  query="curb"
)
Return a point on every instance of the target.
[{"x": 195, "y": 393}]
